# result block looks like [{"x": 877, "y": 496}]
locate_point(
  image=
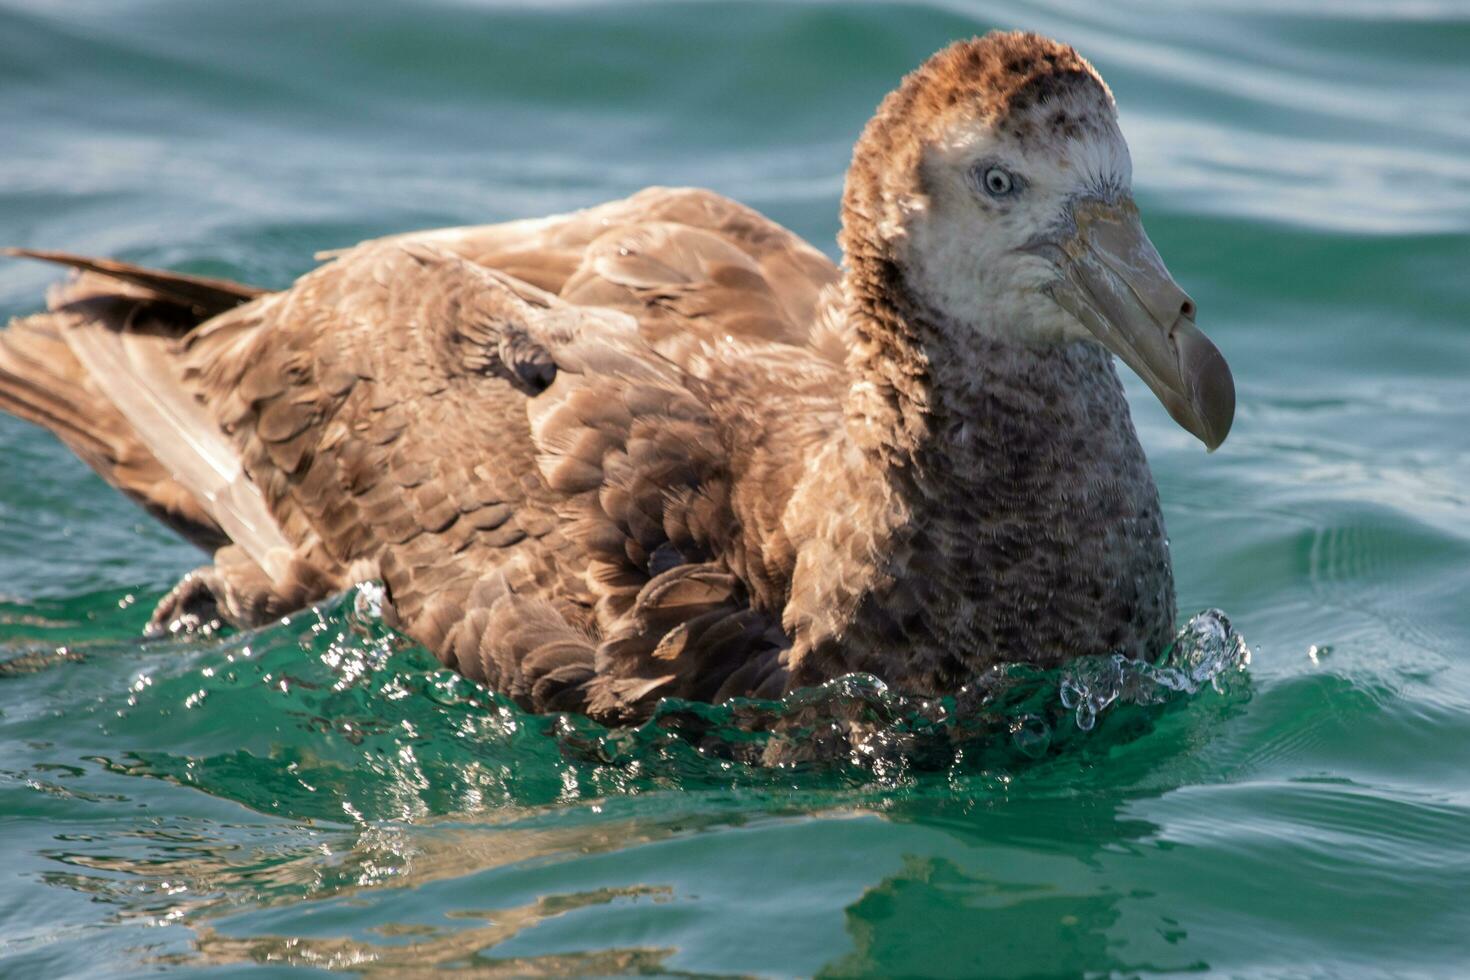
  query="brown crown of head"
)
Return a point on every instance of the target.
[{"x": 1001, "y": 80}]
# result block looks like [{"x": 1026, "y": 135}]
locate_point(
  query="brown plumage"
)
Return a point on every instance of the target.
[{"x": 658, "y": 447}]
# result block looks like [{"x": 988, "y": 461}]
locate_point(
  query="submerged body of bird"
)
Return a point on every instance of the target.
[{"x": 663, "y": 447}]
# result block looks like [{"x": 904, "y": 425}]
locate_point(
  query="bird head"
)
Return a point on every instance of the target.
[{"x": 998, "y": 182}]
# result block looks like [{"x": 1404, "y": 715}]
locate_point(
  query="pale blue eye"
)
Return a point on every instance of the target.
[{"x": 997, "y": 181}]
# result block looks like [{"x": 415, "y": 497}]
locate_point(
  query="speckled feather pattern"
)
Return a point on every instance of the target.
[{"x": 1025, "y": 527}]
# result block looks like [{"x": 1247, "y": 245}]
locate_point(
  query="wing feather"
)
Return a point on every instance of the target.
[{"x": 535, "y": 433}]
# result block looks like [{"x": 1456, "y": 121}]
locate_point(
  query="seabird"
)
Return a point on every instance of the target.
[{"x": 664, "y": 447}]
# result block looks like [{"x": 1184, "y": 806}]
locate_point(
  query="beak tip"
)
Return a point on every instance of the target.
[
  {"x": 1211, "y": 389},
  {"x": 1216, "y": 398}
]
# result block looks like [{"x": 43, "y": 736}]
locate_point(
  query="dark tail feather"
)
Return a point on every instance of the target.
[{"x": 204, "y": 296}]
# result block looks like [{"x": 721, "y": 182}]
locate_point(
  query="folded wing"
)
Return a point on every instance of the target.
[{"x": 529, "y": 432}]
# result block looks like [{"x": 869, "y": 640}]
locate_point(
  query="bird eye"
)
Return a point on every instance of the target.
[{"x": 997, "y": 182}]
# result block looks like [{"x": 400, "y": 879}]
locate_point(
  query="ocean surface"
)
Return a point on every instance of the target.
[{"x": 316, "y": 795}]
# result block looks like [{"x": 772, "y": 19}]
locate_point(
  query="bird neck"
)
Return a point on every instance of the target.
[
  {"x": 890, "y": 401},
  {"x": 938, "y": 409},
  {"x": 989, "y": 484}
]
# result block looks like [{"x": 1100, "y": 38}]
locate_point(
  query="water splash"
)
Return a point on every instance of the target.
[
  {"x": 1206, "y": 651},
  {"x": 1011, "y": 714},
  {"x": 331, "y": 715}
]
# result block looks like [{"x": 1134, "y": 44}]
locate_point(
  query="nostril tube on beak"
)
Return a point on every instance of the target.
[{"x": 1186, "y": 309}]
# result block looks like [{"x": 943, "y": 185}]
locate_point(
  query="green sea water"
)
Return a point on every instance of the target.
[{"x": 316, "y": 795}]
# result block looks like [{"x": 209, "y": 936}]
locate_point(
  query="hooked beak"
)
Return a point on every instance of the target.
[{"x": 1115, "y": 283}]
